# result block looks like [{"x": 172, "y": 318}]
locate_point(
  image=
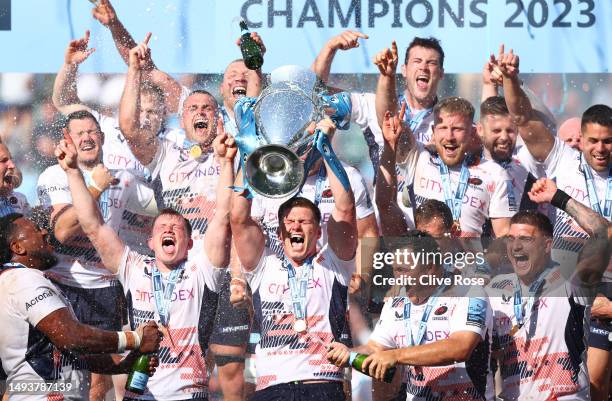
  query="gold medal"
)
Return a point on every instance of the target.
[
  {"x": 300, "y": 326},
  {"x": 514, "y": 329},
  {"x": 456, "y": 229},
  {"x": 195, "y": 151}
]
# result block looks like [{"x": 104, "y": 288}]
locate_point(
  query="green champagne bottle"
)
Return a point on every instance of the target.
[
  {"x": 251, "y": 52},
  {"x": 139, "y": 376},
  {"x": 356, "y": 361}
]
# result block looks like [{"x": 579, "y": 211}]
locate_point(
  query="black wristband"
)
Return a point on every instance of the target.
[{"x": 560, "y": 199}]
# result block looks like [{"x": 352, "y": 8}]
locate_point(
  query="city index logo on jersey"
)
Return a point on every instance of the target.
[
  {"x": 144, "y": 295},
  {"x": 279, "y": 288}
]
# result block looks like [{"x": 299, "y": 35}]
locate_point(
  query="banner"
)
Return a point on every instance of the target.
[{"x": 198, "y": 36}]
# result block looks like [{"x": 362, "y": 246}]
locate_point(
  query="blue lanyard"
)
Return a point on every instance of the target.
[
  {"x": 298, "y": 288},
  {"x": 511, "y": 198},
  {"x": 414, "y": 122},
  {"x": 163, "y": 295},
  {"x": 321, "y": 176},
  {"x": 592, "y": 192},
  {"x": 533, "y": 289},
  {"x": 454, "y": 203},
  {"x": 228, "y": 124},
  {"x": 424, "y": 319}
]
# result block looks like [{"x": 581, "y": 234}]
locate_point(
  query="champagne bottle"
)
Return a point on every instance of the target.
[
  {"x": 356, "y": 361},
  {"x": 139, "y": 376},
  {"x": 251, "y": 52}
]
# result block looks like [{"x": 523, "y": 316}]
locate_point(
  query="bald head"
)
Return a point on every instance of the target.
[{"x": 569, "y": 132}]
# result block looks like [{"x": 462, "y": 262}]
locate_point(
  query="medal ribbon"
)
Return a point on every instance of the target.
[
  {"x": 511, "y": 198},
  {"x": 297, "y": 288},
  {"x": 321, "y": 176},
  {"x": 424, "y": 319},
  {"x": 454, "y": 203},
  {"x": 228, "y": 125},
  {"x": 414, "y": 122},
  {"x": 592, "y": 192},
  {"x": 163, "y": 295},
  {"x": 533, "y": 290}
]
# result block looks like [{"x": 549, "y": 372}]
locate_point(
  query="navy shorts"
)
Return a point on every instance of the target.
[
  {"x": 600, "y": 335},
  {"x": 104, "y": 308},
  {"x": 296, "y": 391},
  {"x": 231, "y": 326}
]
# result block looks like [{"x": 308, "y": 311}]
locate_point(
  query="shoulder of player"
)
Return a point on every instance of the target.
[
  {"x": 52, "y": 173},
  {"x": 500, "y": 283},
  {"x": 358, "y": 97},
  {"x": 17, "y": 278}
]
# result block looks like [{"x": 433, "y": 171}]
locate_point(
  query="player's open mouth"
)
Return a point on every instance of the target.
[
  {"x": 422, "y": 82},
  {"x": 200, "y": 124},
  {"x": 238, "y": 92},
  {"x": 168, "y": 244},
  {"x": 297, "y": 241}
]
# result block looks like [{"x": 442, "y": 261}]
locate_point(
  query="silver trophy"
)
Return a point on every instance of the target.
[{"x": 277, "y": 140}]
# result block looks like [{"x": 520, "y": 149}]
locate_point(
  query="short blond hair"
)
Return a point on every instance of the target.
[{"x": 453, "y": 105}]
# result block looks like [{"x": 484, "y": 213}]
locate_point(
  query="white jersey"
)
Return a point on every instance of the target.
[
  {"x": 184, "y": 183},
  {"x": 14, "y": 202},
  {"x": 283, "y": 355},
  {"x": 451, "y": 313},
  {"x": 182, "y": 371},
  {"x": 487, "y": 195},
  {"x": 266, "y": 210},
  {"x": 78, "y": 262},
  {"x": 546, "y": 357},
  {"x": 363, "y": 113},
  {"x": 26, "y": 353}
]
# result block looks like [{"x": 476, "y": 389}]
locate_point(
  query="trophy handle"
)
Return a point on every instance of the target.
[{"x": 325, "y": 149}]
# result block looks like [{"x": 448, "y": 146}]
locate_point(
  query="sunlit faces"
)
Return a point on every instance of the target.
[
  {"x": 33, "y": 242},
  {"x": 452, "y": 136},
  {"x": 299, "y": 233},
  {"x": 7, "y": 170},
  {"x": 569, "y": 132},
  {"x": 199, "y": 118},
  {"x": 422, "y": 73},
  {"x": 597, "y": 146},
  {"x": 528, "y": 250},
  {"x": 498, "y": 134},
  {"x": 234, "y": 85},
  {"x": 88, "y": 139},
  {"x": 152, "y": 112},
  {"x": 170, "y": 240}
]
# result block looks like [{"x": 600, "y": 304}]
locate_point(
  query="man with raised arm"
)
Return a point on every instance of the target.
[
  {"x": 185, "y": 174},
  {"x": 473, "y": 188},
  {"x": 300, "y": 300},
  {"x": 153, "y": 103},
  {"x": 541, "y": 310},
  {"x": 586, "y": 175},
  {"x": 41, "y": 340},
  {"x": 178, "y": 291},
  {"x": 423, "y": 69}
]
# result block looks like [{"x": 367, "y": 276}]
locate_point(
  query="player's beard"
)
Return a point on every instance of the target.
[{"x": 47, "y": 259}]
